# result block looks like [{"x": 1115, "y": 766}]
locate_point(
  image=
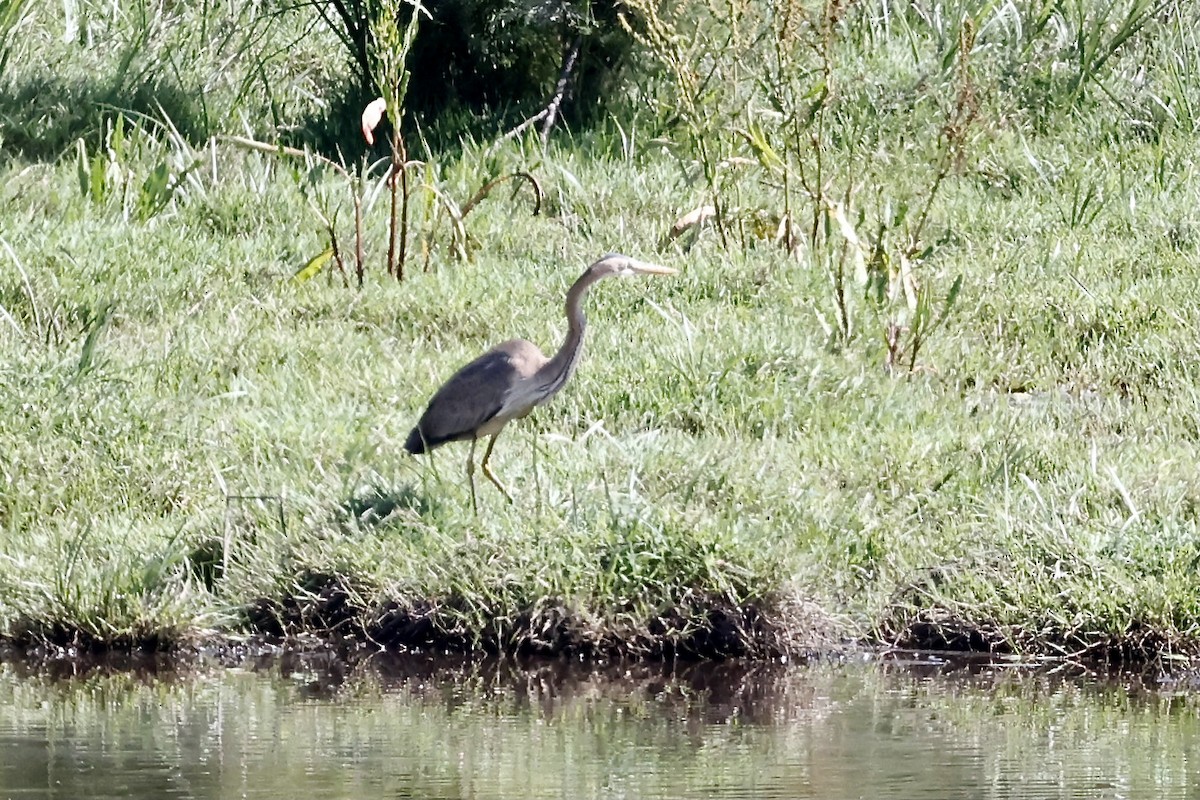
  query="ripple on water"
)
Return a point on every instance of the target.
[{"x": 388, "y": 726}]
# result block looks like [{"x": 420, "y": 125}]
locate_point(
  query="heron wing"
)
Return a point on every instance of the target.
[{"x": 472, "y": 396}]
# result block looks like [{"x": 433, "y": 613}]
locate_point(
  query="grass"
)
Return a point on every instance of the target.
[{"x": 194, "y": 445}]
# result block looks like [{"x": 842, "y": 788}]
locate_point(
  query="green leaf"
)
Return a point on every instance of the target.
[
  {"x": 952, "y": 296},
  {"x": 95, "y": 325},
  {"x": 948, "y": 56},
  {"x": 757, "y": 139},
  {"x": 156, "y": 191},
  {"x": 82, "y": 169},
  {"x": 948, "y": 303},
  {"x": 116, "y": 138},
  {"x": 90, "y": 172},
  {"x": 99, "y": 186},
  {"x": 314, "y": 265}
]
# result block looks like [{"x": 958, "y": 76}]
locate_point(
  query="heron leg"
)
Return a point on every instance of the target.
[
  {"x": 471, "y": 475},
  {"x": 491, "y": 476}
]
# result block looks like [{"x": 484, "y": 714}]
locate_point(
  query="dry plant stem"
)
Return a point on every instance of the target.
[
  {"x": 402, "y": 161},
  {"x": 710, "y": 176},
  {"x": 279, "y": 149},
  {"x": 839, "y": 292},
  {"x": 517, "y": 131},
  {"x": 458, "y": 216},
  {"x": 399, "y": 215},
  {"x": 788, "y": 238},
  {"x": 831, "y": 14},
  {"x": 843, "y": 305},
  {"x": 958, "y": 122},
  {"x": 359, "y": 258},
  {"x": 570, "y": 56},
  {"x": 549, "y": 114},
  {"x": 954, "y": 132},
  {"x": 486, "y": 189},
  {"x": 948, "y": 156},
  {"x": 818, "y": 190},
  {"x": 337, "y": 254},
  {"x": 331, "y": 232}
]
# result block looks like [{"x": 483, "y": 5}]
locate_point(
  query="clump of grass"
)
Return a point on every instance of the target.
[
  {"x": 800, "y": 138},
  {"x": 622, "y": 580},
  {"x": 119, "y": 587}
]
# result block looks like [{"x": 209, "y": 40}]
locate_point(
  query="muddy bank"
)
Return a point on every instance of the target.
[{"x": 330, "y": 616}]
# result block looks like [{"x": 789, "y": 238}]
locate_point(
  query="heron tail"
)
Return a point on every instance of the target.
[{"x": 415, "y": 443}]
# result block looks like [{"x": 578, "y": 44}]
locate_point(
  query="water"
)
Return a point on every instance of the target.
[{"x": 315, "y": 727}]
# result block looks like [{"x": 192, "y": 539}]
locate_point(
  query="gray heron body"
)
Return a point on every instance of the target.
[{"x": 511, "y": 379}]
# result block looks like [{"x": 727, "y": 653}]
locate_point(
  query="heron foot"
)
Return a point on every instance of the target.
[
  {"x": 487, "y": 470},
  {"x": 491, "y": 476}
]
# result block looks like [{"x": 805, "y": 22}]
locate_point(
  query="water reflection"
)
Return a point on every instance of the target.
[{"x": 387, "y": 726}]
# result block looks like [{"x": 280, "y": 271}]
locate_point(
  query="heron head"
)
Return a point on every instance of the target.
[{"x": 624, "y": 266}]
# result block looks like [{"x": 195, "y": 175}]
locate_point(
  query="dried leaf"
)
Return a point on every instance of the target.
[
  {"x": 691, "y": 219},
  {"x": 851, "y": 236},
  {"x": 371, "y": 116},
  {"x": 908, "y": 281}
]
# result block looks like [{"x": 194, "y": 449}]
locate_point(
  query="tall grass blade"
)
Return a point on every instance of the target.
[{"x": 87, "y": 354}]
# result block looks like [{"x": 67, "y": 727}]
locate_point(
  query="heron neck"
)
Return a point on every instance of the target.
[{"x": 559, "y": 368}]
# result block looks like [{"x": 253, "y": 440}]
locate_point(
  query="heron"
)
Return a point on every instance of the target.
[{"x": 510, "y": 380}]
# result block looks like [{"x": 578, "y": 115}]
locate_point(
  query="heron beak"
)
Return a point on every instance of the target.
[{"x": 653, "y": 269}]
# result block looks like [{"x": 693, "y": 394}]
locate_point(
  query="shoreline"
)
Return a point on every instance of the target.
[{"x": 327, "y": 621}]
